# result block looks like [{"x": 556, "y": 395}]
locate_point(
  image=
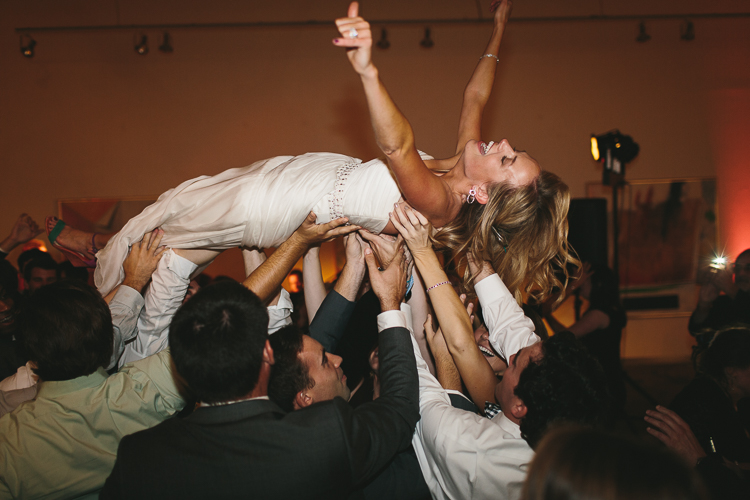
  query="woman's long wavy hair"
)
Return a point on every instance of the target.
[{"x": 522, "y": 231}]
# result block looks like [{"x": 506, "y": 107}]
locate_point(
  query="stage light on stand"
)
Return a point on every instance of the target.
[
  {"x": 614, "y": 150},
  {"x": 595, "y": 148}
]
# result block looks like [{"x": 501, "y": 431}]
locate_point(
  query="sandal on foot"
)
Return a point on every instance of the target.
[{"x": 78, "y": 259}]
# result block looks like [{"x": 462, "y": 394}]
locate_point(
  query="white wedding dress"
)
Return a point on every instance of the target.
[{"x": 257, "y": 206}]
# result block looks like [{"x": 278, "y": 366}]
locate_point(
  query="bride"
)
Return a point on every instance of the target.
[{"x": 489, "y": 200}]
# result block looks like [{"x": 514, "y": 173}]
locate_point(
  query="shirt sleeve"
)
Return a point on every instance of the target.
[
  {"x": 510, "y": 329},
  {"x": 280, "y": 315},
  {"x": 154, "y": 373},
  {"x": 125, "y": 307},
  {"x": 392, "y": 319},
  {"x": 330, "y": 321},
  {"x": 461, "y": 454}
]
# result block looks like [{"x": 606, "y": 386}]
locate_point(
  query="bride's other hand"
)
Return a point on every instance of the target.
[
  {"x": 356, "y": 36},
  {"x": 502, "y": 9},
  {"x": 413, "y": 226}
]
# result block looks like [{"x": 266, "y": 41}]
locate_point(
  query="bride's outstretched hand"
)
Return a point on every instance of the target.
[
  {"x": 413, "y": 226},
  {"x": 502, "y": 9},
  {"x": 356, "y": 37}
]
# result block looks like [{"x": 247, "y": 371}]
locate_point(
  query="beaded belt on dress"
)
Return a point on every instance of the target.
[{"x": 336, "y": 198}]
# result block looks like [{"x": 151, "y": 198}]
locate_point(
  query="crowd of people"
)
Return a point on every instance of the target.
[{"x": 163, "y": 383}]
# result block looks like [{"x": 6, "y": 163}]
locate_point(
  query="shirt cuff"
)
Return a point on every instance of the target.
[
  {"x": 181, "y": 266},
  {"x": 391, "y": 319},
  {"x": 279, "y": 315},
  {"x": 490, "y": 288},
  {"x": 128, "y": 297},
  {"x": 284, "y": 302}
]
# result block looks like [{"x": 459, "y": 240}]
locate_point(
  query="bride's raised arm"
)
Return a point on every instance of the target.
[
  {"x": 424, "y": 191},
  {"x": 479, "y": 88}
]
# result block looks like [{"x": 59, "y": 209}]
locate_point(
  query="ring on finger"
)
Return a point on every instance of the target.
[{"x": 353, "y": 33}]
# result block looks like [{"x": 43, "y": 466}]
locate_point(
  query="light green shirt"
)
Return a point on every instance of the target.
[{"x": 64, "y": 443}]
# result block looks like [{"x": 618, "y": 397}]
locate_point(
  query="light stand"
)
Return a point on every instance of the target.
[
  {"x": 614, "y": 150},
  {"x": 618, "y": 150}
]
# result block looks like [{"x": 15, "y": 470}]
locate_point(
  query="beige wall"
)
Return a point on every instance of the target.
[{"x": 88, "y": 117}]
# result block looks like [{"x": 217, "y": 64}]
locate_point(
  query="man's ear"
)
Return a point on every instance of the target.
[
  {"x": 482, "y": 197},
  {"x": 268, "y": 353},
  {"x": 518, "y": 409},
  {"x": 302, "y": 400}
]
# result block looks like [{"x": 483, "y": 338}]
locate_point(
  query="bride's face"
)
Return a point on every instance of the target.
[{"x": 493, "y": 163}]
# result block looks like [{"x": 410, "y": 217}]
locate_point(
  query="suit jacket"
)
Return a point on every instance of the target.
[{"x": 254, "y": 449}]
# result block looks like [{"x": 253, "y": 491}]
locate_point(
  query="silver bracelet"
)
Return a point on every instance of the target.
[
  {"x": 437, "y": 285},
  {"x": 490, "y": 55}
]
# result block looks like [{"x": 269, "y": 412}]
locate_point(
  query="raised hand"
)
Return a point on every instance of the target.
[
  {"x": 502, "y": 9},
  {"x": 356, "y": 36},
  {"x": 310, "y": 233},
  {"x": 142, "y": 260},
  {"x": 389, "y": 285},
  {"x": 709, "y": 293},
  {"x": 384, "y": 246},
  {"x": 24, "y": 229},
  {"x": 674, "y": 432},
  {"x": 479, "y": 270},
  {"x": 354, "y": 248},
  {"x": 413, "y": 227}
]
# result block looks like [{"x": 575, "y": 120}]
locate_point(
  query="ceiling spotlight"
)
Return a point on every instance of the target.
[
  {"x": 166, "y": 46},
  {"x": 383, "y": 43},
  {"x": 142, "y": 46},
  {"x": 28, "y": 49},
  {"x": 427, "y": 41},
  {"x": 687, "y": 31},
  {"x": 642, "y": 35}
]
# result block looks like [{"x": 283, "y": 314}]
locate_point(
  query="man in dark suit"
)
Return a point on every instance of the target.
[{"x": 240, "y": 444}]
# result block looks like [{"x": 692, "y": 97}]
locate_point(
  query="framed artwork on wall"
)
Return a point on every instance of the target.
[{"x": 668, "y": 231}]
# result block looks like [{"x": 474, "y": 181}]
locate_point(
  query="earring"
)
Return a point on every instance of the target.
[{"x": 472, "y": 196}]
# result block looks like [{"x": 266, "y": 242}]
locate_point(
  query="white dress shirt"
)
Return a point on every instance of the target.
[{"x": 464, "y": 455}]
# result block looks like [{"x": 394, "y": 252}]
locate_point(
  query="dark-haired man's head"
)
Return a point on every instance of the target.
[
  {"x": 553, "y": 381},
  {"x": 304, "y": 372},
  {"x": 219, "y": 343},
  {"x": 8, "y": 296},
  {"x": 67, "y": 271},
  {"x": 727, "y": 360},
  {"x": 39, "y": 270},
  {"x": 742, "y": 271},
  {"x": 67, "y": 330}
]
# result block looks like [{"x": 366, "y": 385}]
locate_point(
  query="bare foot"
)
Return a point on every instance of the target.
[{"x": 73, "y": 239}]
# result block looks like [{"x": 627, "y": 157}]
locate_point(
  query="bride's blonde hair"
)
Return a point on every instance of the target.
[{"x": 522, "y": 231}]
